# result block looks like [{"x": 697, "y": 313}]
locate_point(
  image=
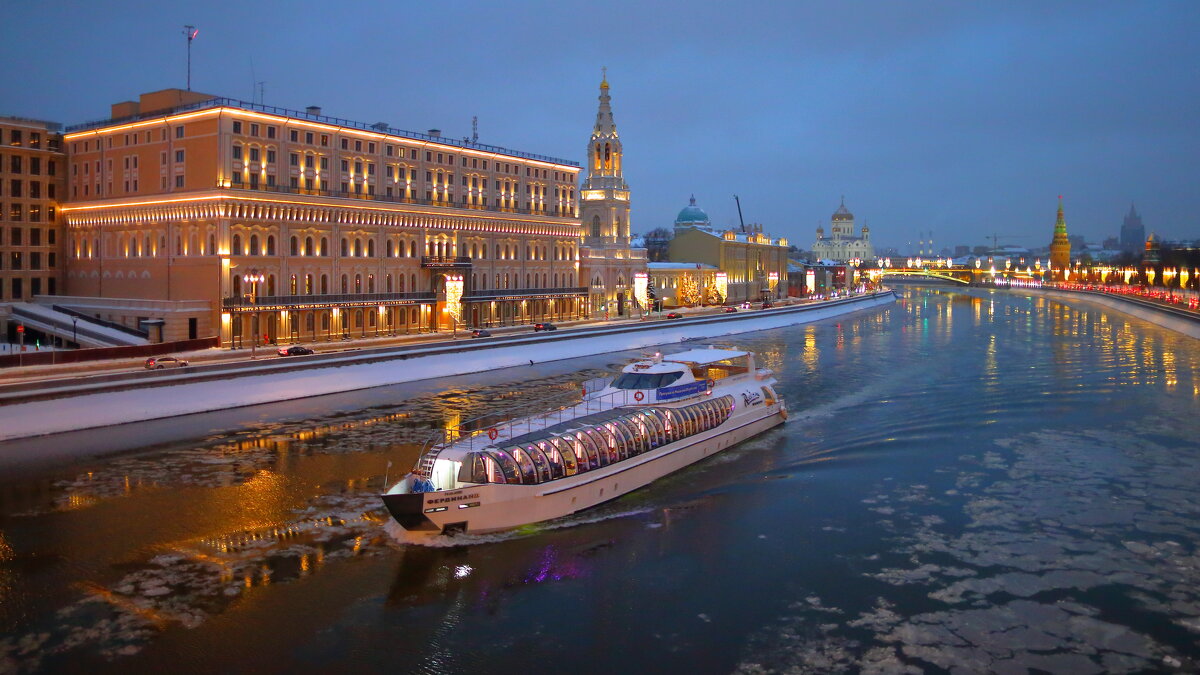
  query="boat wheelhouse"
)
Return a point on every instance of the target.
[{"x": 657, "y": 416}]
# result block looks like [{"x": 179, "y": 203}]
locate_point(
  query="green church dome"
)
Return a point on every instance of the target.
[{"x": 692, "y": 214}]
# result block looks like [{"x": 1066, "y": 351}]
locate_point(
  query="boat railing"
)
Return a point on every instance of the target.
[
  {"x": 594, "y": 386},
  {"x": 518, "y": 422}
]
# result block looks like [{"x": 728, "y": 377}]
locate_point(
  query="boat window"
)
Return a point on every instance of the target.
[
  {"x": 769, "y": 395},
  {"x": 508, "y": 466},
  {"x": 676, "y": 419},
  {"x": 566, "y": 450},
  {"x": 710, "y": 412},
  {"x": 644, "y": 431},
  {"x": 528, "y": 472},
  {"x": 654, "y": 424},
  {"x": 603, "y": 440},
  {"x": 633, "y": 443},
  {"x": 472, "y": 469},
  {"x": 617, "y": 449},
  {"x": 590, "y": 459},
  {"x": 689, "y": 420},
  {"x": 539, "y": 461},
  {"x": 645, "y": 380},
  {"x": 553, "y": 457},
  {"x": 622, "y": 444}
]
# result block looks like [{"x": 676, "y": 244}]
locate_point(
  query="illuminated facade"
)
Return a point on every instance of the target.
[
  {"x": 745, "y": 266},
  {"x": 607, "y": 262},
  {"x": 1060, "y": 247},
  {"x": 843, "y": 244},
  {"x": 32, "y": 167},
  {"x": 294, "y": 226}
]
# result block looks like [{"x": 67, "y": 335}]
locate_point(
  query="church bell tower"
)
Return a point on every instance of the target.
[{"x": 604, "y": 196}]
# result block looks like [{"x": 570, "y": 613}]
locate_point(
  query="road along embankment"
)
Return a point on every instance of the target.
[
  {"x": 1179, "y": 320},
  {"x": 40, "y": 408}
]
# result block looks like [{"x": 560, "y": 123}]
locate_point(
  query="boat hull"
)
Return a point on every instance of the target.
[{"x": 485, "y": 508}]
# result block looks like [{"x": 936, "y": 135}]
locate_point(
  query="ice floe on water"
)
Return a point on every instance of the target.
[
  {"x": 1058, "y": 552},
  {"x": 185, "y": 586}
]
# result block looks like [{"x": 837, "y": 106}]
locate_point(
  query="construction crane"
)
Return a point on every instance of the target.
[
  {"x": 997, "y": 237},
  {"x": 740, "y": 219}
]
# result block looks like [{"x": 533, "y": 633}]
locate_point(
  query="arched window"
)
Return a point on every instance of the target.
[
  {"x": 294, "y": 248},
  {"x": 308, "y": 246},
  {"x": 358, "y": 249},
  {"x": 370, "y": 248},
  {"x": 595, "y": 226},
  {"x": 270, "y": 284},
  {"x": 324, "y": 246},
  {"x": 345, "y": 284},
  {"x": 325, "y": 285},
  {"x": 308, "y": 286},
  {"x": 212, "y": 244},
  {"x": 271, "y": 244},
  {"x": 400, "y": 279},
  {"x": 391, "y": 248},
  {"x": 412, "y": 249},
  {"x": 254, "y": 244},
  {"x": 388, "y": 283},
  {"x": 293, "y": 285},
  {"x": 237, "y": 245},
  {"x": 345, "y": 247},
  {"x": 620, "y": 228},
  {"x": 370, "y": 283},
  {"x": 358, "y": 283}
]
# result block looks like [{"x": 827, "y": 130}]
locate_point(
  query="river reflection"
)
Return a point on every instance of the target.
[{"x": 969, "y": 480}]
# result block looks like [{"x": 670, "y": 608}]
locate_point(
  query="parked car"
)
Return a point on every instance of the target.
[
  {"x": 544, "y": 326},
  {"x": 294, "y": 350},
  {"x": 730, "y": 310},
  {"x": 481, "y": 332},
  {"x": 160, "y": 362},
  {"x": 767, "y": 305},
  {"x": 746, "y": 305},
  {"x": 674, "y": 315}
]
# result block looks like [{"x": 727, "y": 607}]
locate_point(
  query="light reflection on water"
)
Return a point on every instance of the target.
[{"x": 930, "y": 455}]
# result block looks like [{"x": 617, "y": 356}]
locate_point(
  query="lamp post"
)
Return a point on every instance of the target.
[
  {"x": 253, "y": 277},
  {"x": 75, "y": 331}
]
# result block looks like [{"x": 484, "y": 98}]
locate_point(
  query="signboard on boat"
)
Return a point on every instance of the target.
[{"x": 681, "y": 391}]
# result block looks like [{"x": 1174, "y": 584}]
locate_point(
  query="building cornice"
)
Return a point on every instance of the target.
[{"x": 254, "y": 206}]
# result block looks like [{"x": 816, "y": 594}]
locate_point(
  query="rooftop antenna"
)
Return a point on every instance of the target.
[
  {"x": 190, "y": 32},
  {"x": 474, "y": 128},
  {"x": 262, "y": 92},
  {"x": 740, "y": 219}
]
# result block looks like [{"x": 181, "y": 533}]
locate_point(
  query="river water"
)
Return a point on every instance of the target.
[{"x": 969, "y": 481}]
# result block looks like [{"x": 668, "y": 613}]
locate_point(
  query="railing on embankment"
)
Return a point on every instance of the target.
[
  {"x": 34, "y": 391},
  {"x": 52, "y": 357}
]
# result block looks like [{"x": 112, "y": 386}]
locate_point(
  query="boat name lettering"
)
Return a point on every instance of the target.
[
  {"x": 751, "y": 397},
  {"x": 681, "y": 391},
  {"x": 456, "y": 498}
]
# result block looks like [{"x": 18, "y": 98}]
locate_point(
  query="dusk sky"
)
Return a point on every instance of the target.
[{"x": 964, "y": 118}]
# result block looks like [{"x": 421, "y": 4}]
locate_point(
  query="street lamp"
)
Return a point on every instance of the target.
[
  {"x": 253, "y": 278},
  {"x": 75, "y": 331}
]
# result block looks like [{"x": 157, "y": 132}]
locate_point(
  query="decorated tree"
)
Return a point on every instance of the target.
[
  {"x": 687, "y": 294},
  {"x": 712, "y": 295}
]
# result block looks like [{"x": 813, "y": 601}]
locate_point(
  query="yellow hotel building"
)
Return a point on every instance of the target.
[{"x": 222, "y": 217}]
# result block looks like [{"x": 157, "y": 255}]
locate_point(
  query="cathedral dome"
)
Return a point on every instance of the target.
[
  {"x": 692, "y": 214},
  {"x": 843, "y": 213}
]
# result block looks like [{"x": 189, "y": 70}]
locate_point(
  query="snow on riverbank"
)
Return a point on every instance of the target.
[{"x": 145, "y": 403}]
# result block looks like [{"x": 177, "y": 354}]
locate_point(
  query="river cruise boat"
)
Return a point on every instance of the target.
[{"x": 658, "y": 416}]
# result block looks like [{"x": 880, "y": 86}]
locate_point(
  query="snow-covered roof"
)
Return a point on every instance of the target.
[{"x": 666, "y": 266}]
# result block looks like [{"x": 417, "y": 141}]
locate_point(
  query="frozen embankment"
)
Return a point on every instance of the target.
[{"x": 51, "y": 407}]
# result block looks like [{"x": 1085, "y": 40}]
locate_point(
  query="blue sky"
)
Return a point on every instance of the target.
[{"x": 964, "y": 118}]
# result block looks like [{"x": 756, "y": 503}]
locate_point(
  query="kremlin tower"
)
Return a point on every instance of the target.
[{"x": 1060, "y": 246}]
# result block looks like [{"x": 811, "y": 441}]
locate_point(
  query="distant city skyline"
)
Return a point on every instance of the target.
[{"x": 958, "y": 119}]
